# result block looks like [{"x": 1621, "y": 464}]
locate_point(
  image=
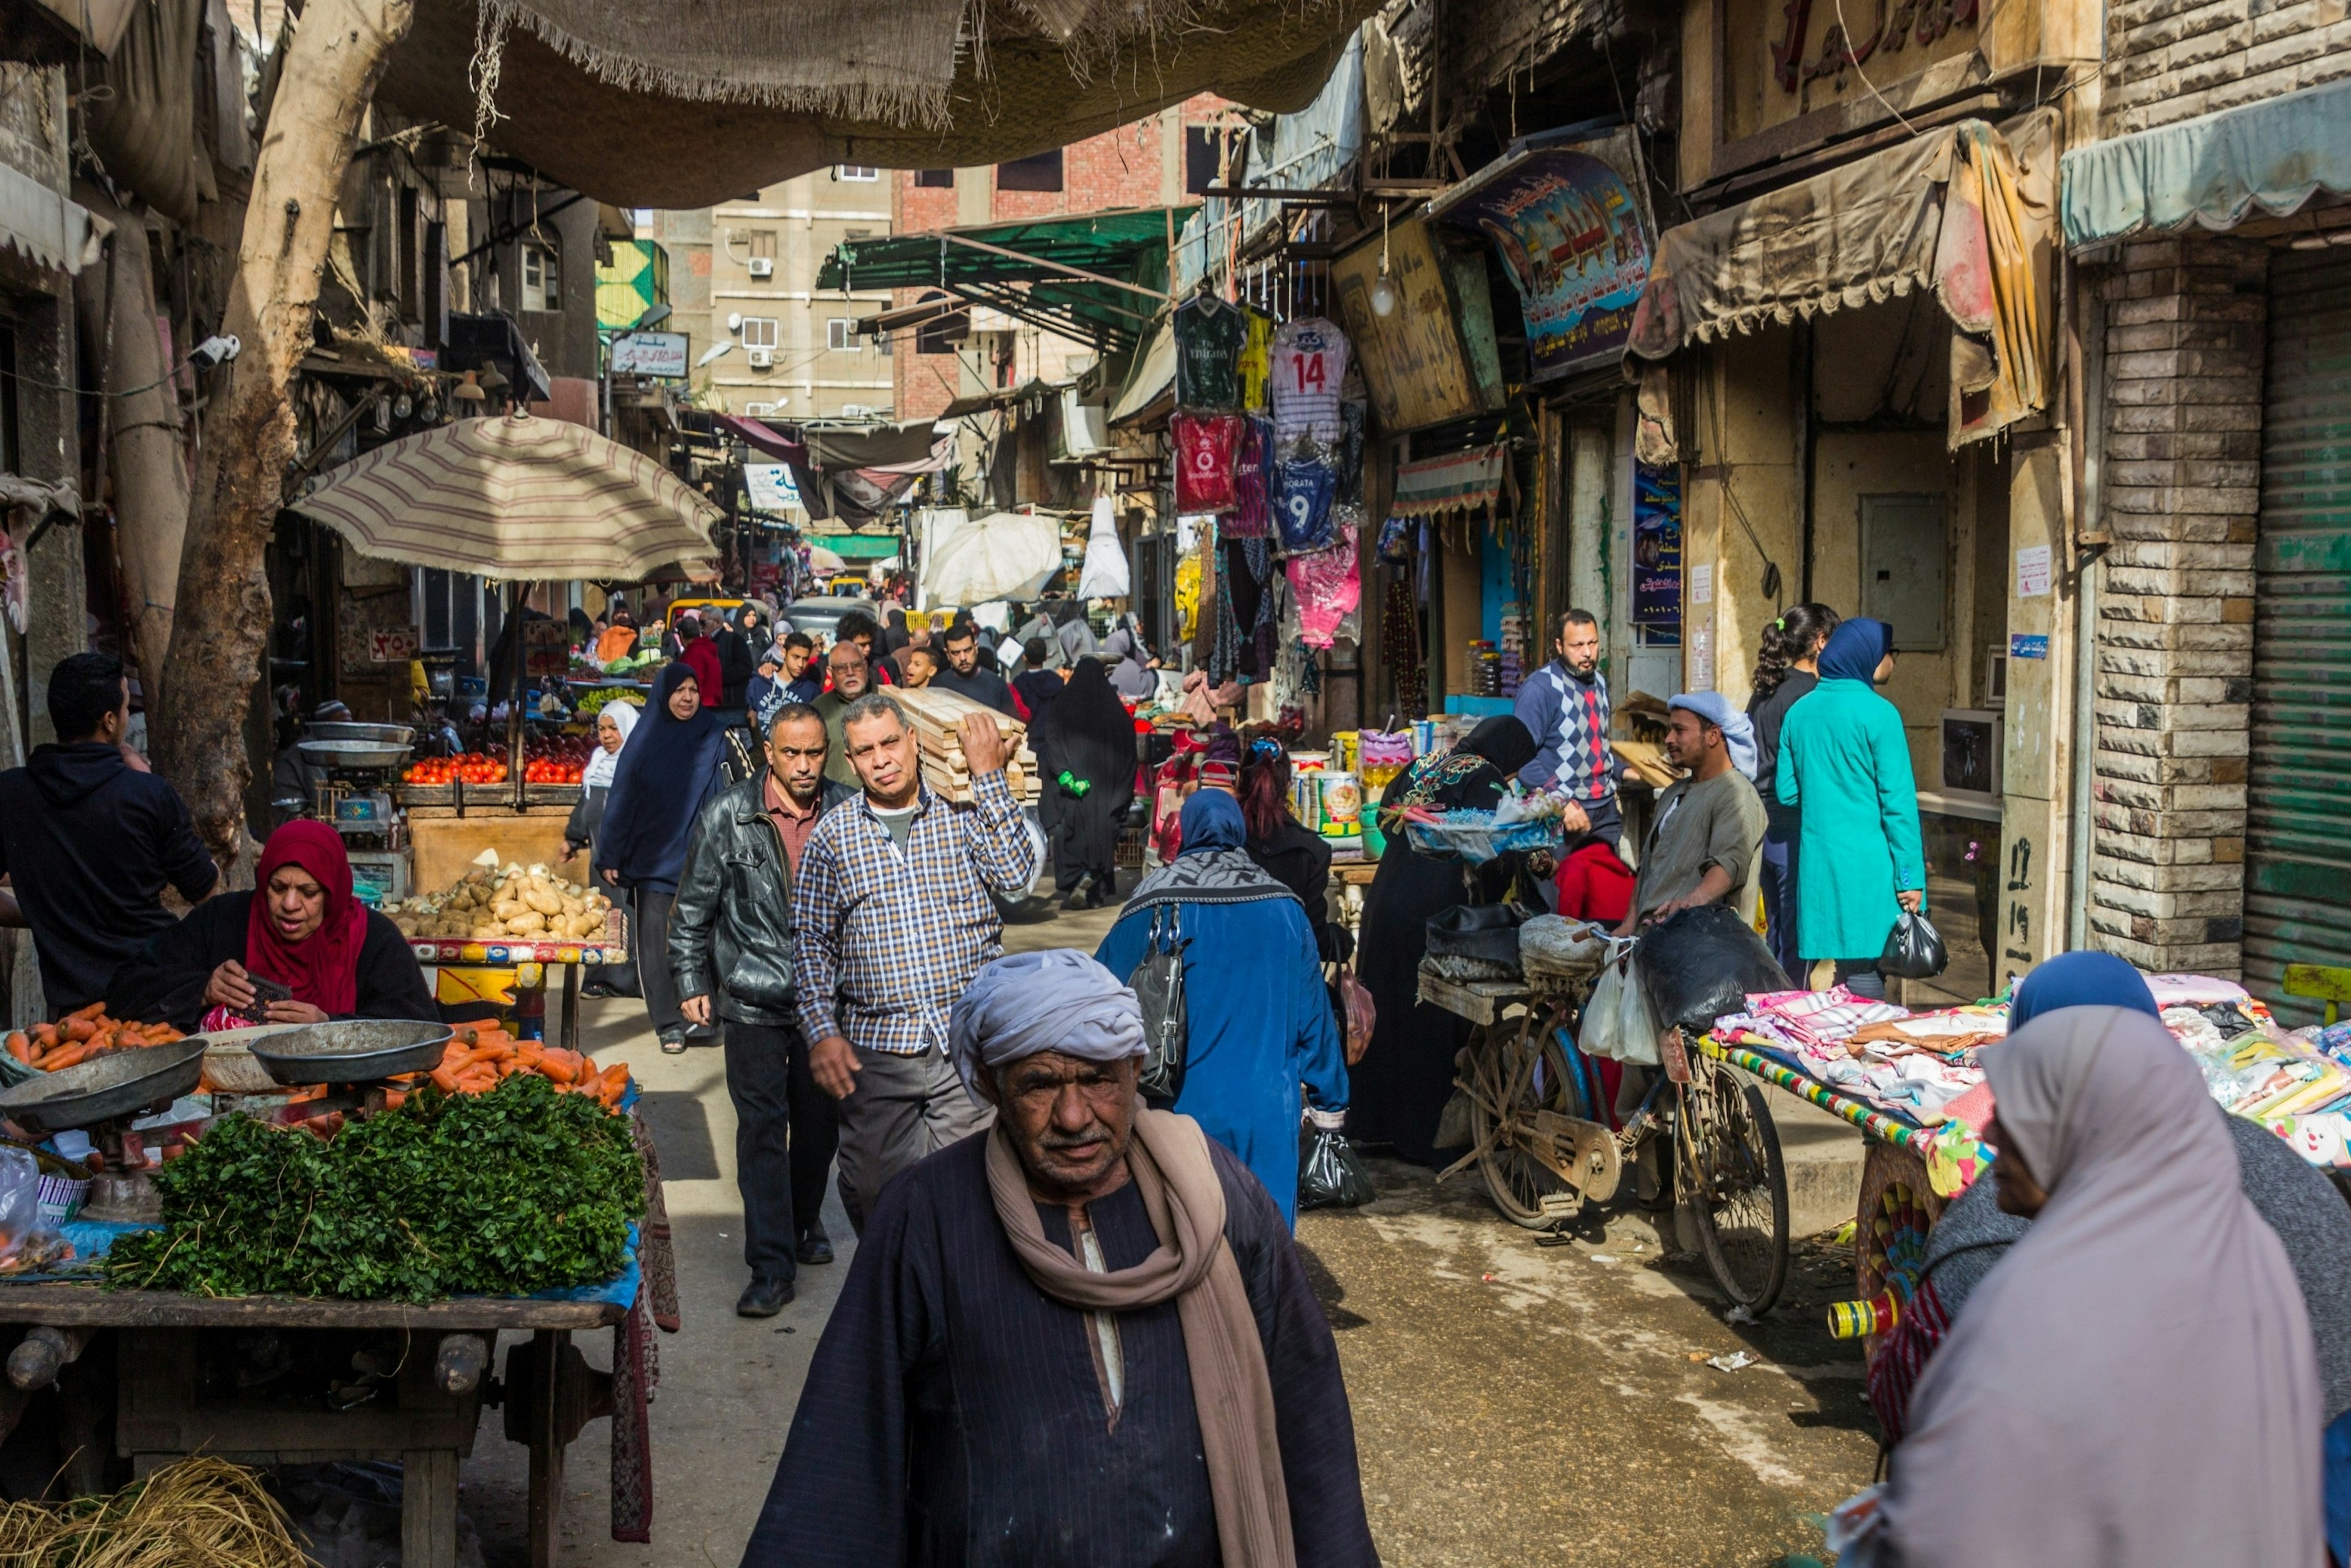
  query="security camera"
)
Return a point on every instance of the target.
[{"x": 212, "y": 352}]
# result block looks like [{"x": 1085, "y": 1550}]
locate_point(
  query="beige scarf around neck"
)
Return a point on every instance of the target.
[{"x": 1231, "y": 1392}]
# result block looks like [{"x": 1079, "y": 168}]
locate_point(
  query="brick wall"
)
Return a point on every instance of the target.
[
  {"x": 2185, "y": 319},
  {"x": 2171, "y": 60}
]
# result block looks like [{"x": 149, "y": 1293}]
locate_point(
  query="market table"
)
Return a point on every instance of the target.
[{"x": 570, "y": 957}]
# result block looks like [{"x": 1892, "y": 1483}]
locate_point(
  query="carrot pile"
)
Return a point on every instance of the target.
[
  {"x": 84, "y": 1033},
  {"x": 482, "y": 1054}
]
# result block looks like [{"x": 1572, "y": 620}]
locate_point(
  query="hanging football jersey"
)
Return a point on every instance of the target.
[
  {"x": 1253, "y": 515},
  {"x": 1302, "y": 505},
  {"x": 1209, "y": 336},
  {"x": 1206, "y": 447},
  {"x": 1308, "y": 361},
  {"x": 1257, "y": 360}
]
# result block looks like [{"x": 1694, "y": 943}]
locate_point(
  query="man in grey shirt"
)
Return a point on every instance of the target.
[{"x": 1702, "y": 847}]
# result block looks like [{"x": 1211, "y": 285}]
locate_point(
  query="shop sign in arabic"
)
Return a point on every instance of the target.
[{"x": 1569, "y": 229}]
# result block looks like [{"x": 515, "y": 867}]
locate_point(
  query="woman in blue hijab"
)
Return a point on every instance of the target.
[
  {"x": 670, "y": 767},
  {"x": 1845, "y": 762},
  {"x": 2082, "y": 979},
  {"x": 1260, "y": 1024}
]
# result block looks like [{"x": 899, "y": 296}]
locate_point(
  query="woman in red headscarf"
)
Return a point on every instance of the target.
[{"x": 299, "y": 949}]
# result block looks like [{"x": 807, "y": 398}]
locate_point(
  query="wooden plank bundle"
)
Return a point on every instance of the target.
[{"x": 937, "y": 718}]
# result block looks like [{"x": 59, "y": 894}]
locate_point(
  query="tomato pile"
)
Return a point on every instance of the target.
[{"x": 555, "y": 761}]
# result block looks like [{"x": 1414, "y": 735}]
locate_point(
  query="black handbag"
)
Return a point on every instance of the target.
[
  {"x": 1158, "y": 985},
  {"x": 1914, "y": 949}
]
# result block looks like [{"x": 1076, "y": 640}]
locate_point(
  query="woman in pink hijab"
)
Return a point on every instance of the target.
[{"x": 2134, "y": 1383}]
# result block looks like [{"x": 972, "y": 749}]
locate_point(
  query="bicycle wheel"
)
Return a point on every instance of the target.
[
  {"x": 1522, "y": 1074},
  {"x": 1737, "y": 1188}
]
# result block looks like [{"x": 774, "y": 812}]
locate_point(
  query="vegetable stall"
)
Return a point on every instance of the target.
[{"x": 300, "y": 1244}]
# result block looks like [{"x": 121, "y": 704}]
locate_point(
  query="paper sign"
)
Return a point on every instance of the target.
[
  {"x": 2027, "y": 645},
  {"x": 2033, "y": 571},
  {"x": 1701, "y": 581},
  {"x": 396, "y": 646},
  {"x": 1701, "y": 657}
]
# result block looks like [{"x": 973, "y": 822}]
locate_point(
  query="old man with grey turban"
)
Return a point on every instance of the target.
[{"x": 1081, "y": 1336}]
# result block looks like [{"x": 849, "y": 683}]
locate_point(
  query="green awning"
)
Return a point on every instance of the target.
[
  {"x": 2213, "y": 171},
  {"x": 859, "y": 546},
  {"x": 1098, "y": 276}
]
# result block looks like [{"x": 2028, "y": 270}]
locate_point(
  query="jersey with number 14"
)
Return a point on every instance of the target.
[{"x": 1310, "y": 361}]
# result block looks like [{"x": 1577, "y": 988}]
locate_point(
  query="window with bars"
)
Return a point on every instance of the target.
[{"x": 543, "y": 279}]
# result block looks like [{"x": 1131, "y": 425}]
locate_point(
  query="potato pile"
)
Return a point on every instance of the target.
[{"x": 497, "y": 903}]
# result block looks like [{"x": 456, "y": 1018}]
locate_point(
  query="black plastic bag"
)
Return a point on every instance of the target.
[
  {"x": 1488, "y": 932},
  {"x": 1158, "y": 985},
  {"x": 1700, "y": 964},
  {"x": 1914, "y": 950},
  {"x": 1329, "y": 1173}
]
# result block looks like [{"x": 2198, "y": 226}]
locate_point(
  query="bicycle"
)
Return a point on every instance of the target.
[{"x": 1539, "y": 1139}]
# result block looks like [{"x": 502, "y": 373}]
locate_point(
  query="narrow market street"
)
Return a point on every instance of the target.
[{"x": 1513, "y": 1403}]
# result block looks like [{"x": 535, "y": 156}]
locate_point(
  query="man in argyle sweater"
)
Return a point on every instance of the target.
[{"x": 1564, "y": 706}]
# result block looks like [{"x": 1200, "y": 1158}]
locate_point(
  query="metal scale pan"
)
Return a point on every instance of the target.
[
  {"x": 365, "y": 1051},
  {"x": 113, "y": 1088}
]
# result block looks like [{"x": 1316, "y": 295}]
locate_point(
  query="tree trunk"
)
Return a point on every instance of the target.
[
  {"x": 220, "y": 634},
  {"x": 146, "y": 455}
]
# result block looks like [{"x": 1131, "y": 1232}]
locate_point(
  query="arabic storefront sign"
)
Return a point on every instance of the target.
[
  {"x": 1657, "y": 553},
  {"x": 1569, "y": 226},
  {"x": 651, "y": 354},
  {"x": 771, "y": 487},
  {"x": 1414, "y": 363}
]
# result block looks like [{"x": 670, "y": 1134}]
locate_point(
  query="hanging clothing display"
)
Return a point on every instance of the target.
[
  {"x": 1302, "y": 505},
  {"x": 1104, "y": 575},
  {"x": 1206, "y": 447},
  {"x": 1253, "y": 515},
  {"x": 1327, "y": 584},
  {"x": 1308, "y": 361},
  {"x": 1256, "y": 365},
  {"x": 1209, "y": 337}
]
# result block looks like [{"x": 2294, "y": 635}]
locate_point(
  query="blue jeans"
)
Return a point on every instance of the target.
[{"x": 1778, "y": 885}]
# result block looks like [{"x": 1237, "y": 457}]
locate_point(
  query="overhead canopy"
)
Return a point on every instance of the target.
[
  {"x": 2212, "y": 169},
  {"x": 605, "y": 97},
  {"x": 1963, "y": 210},
  {"x": 516, "y": 498},
  {"x": 1468, "y": 481},
  {"x": 45, "y": 228},
  {"x": 1150, "y": 389},
  {"x": 859, "y": 546},
  {"x": 1098, "y": 276}
]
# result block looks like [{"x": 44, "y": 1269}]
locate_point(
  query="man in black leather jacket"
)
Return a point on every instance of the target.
[{"x": 730, "y": 947}]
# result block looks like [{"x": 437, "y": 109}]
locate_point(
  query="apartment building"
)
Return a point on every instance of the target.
[{"x": 742, "y": 281}]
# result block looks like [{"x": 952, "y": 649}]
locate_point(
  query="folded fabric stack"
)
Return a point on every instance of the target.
[
  {"x": 2296, "y": 1085},
  {"x": 1912, "y": 1065}
]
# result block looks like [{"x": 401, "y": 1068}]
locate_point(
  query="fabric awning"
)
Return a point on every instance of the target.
[
  {"x": 1458, "y": 482},
  {"x": 515, "y": 499},
  {"x": 1150, "y": 390},
  {"x": 859, "y": 546},
  {"x": 45, "y": 227},
  {"x": 2212, "y": 169},
  {"x": 1098, "y": 276},
  {"x": 1964, "y": 210}
]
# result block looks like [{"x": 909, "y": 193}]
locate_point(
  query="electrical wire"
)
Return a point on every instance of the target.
[{"x": 24, "y": 380}]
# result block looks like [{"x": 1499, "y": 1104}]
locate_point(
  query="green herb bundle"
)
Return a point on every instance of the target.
[{"x": 504, "y": 1193}]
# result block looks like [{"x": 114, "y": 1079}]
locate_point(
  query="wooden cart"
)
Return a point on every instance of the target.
[{"x": 169, "y": 1397}]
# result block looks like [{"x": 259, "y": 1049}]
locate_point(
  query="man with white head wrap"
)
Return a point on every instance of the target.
[
  {"x": 1702, "y": 846},
  {"x": 1082, "y": 1337}
]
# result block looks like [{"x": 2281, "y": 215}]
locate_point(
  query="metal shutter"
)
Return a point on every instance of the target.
[{"x": 2298, "y": 834}]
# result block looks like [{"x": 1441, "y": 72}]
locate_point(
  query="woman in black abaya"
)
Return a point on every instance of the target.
[
  {"x": 1087, "y": 735},
  {"x": 1399, "y": 1088}
]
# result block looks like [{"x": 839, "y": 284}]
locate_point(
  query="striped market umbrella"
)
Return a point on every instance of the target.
[{"x": 518, "y": 498}]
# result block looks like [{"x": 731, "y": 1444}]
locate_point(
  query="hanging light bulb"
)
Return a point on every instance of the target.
[{"x": 1384, "y": 289}]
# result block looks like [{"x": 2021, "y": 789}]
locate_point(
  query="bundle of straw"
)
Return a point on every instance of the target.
[{"x": 200, "y": 1513}]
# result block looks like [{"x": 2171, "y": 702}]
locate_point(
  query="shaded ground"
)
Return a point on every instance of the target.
[{"x": 1514, "y": 1403}]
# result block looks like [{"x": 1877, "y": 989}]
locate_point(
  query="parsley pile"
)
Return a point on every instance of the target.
[{"x": 518, "y": 1190}]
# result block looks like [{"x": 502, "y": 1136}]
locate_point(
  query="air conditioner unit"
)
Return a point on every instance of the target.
[
  {"x": 763, "y": 267},
  {"x": 855, "y": 411},
  {"x": 756, "y": 409},
  {"x": 761, "y": 359}
]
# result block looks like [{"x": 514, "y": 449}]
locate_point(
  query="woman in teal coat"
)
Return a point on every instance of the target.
[{"x": 1843, "y": 758}]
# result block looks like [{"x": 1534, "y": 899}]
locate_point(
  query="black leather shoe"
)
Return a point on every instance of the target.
[
  {"x": 816, "y": 1247},
  {"x": 763, "y": 1298}
]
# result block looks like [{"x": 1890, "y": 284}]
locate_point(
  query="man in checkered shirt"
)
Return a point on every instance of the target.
[
  {"x": 891, "y": 918},
  {"x": 1564, "y": 706}
]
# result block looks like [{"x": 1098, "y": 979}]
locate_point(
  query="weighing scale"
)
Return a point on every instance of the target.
[{"x": 104, "y": 1097}]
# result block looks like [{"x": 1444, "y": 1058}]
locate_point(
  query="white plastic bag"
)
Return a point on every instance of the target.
[
  {"x": 1004, "y": 554},
  {"x": 1616, "y": 1020}
]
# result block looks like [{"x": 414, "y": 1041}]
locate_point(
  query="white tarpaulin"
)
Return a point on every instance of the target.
[
  {"x": 1004, "y": 554},
  {"x": 1104, "y": 576}
]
